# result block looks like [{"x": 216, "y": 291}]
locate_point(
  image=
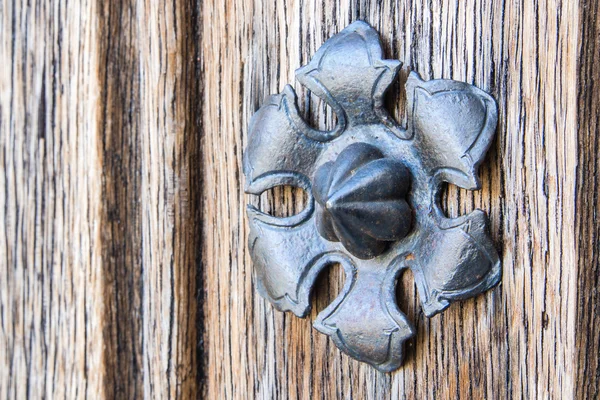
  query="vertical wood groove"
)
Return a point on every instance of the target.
[
  {"x": 587, "y": 357},
  {"x": 170, "y": 195}
]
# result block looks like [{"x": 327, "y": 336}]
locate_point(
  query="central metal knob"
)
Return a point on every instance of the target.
[{"x": 361, "y": 200}]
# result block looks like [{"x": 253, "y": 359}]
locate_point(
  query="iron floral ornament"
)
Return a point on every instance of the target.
[{"x": 373, "y": 196}]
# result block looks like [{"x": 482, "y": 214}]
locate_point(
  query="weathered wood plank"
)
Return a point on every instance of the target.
[
  {"x": 170, "y": 197},
  {"x": 51, "y": 309},
  {"x": 100, "y": 203},
  {"x": 517, "y": 341}
]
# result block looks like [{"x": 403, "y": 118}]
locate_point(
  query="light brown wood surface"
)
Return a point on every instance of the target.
[
  {"x": 100, "y": 200},
  {"x": 517, "y": 340},
  {"x": 124, "y": 268},
  {"x": 51, "y": 281}
]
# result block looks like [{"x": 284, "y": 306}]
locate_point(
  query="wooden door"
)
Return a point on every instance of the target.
[{"x": 124, "y": 267}]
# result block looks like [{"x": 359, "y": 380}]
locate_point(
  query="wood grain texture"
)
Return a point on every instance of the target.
[
  {"x": 588, "y": 204},
  {"x": 124, "y": 271},
  {"x": 120, "y": 138},
  {"x": 170, "y": 194},
  {"x": 516, "y": 341},
  {"x": 101, "y": 200},
  {"x": 50, "y": 247}
]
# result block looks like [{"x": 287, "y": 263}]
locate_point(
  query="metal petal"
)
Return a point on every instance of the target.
[
  {"x": 277, "y": 140},
  {"x": 453, "y": 125},
  {"x": 287, "y": 260},
  {"x": 365, "y": 322},
  {"x": 453, "y": 261},
  {"x": 349, "y": 73}
]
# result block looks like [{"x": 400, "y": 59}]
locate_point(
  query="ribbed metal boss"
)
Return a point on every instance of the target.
[{"x": 361, "y": 199}]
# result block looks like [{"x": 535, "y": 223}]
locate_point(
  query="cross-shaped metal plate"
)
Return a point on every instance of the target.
[{"x": 373, "y": 196}]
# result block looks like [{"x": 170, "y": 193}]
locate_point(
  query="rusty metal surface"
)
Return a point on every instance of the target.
[{"x": 373, "y": 196}]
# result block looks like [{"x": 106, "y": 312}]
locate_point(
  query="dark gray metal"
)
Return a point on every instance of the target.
[
  {"x": 361, "y": 200},
  {"x": 377, "y": 187}
]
